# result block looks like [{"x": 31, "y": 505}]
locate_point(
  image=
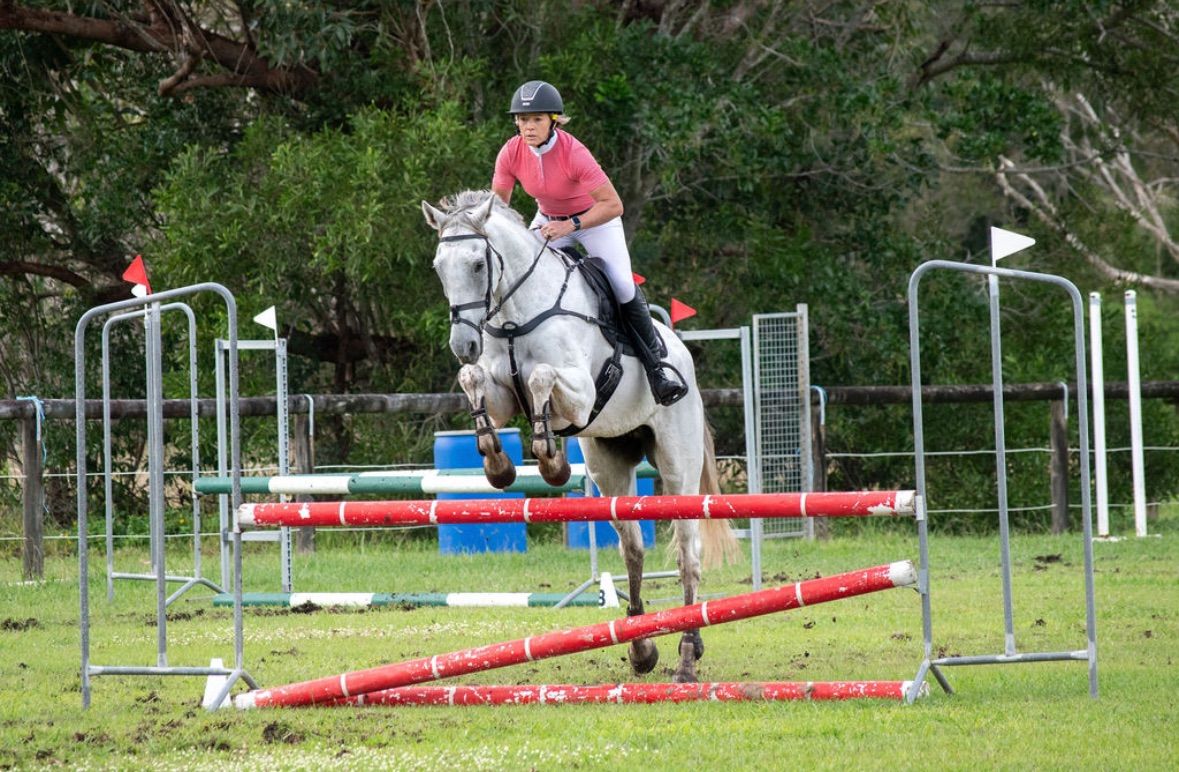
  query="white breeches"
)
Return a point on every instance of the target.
[{"x": 607, "y": 241}]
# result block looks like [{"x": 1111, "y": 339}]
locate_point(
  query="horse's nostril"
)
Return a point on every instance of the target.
[{"x": 467, "y": 353}]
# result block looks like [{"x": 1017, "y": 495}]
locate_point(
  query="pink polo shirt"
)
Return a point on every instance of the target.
[{"x": 560, "y": 179}]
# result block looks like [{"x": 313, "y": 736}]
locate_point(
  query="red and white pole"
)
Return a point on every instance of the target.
[
  {"x": 473, "y": 511},
  {"x": 631, "y": 693},
  {"x": 597, "y": 636}
]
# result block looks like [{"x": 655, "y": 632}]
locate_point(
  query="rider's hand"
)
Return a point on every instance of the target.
[{"x": 555, "y": 229}]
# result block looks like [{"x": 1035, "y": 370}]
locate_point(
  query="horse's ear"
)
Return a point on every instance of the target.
[
  {"x": 435, "y": 218},
  {"x": 484, "y": 210}
]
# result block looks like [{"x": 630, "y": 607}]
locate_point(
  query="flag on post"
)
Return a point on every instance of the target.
[
  {"x": 268, "y": 319},
  {"x": 680, "y": 311},
  {"x": 136, "y": 273},
  {"x": 640, "y": 280},
  {"x": 1004, "y": 243}
]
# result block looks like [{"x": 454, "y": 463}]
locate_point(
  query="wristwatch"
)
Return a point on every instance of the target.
[{"x": 576, "y": 222}]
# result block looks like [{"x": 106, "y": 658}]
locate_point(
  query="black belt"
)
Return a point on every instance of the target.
[{"x": 565, "y": 216}]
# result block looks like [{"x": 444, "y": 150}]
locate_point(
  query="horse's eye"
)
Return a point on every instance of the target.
[{"x": 477, "y": 268}]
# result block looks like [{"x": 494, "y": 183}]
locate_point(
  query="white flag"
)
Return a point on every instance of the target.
[
  {"x": 267, "y": 319},
  {"x": 1004, "y": 243}
]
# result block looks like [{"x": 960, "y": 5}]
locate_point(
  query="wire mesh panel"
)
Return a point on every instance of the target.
[{"x": 781, "y": 371}]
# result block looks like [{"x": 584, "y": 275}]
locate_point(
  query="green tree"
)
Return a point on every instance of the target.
[{"x": 768, "y": 153}]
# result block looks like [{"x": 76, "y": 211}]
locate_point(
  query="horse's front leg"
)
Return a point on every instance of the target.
[
  {"x": 687, "y": 542},
  {"x": 564, "y": 392},
  {"x": 492, "y": 405}
]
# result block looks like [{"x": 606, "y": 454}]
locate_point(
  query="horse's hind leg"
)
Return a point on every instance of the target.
[
  {"x": 680, "y": 471},
  {"x": 643, "y": 654},
  {"x": 687, "y": 542},
  {"x": 491, "y": 406},
  {"x": 612, "y": 475}
]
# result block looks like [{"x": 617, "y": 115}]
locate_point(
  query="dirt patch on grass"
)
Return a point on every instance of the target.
[
  {"x": 278, "y": 732},
  {"x": 19, "y": 625}
]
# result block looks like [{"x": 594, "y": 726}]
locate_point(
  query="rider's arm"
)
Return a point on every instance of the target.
[
  {"x": 503, "y": 193},
  {"x": 503, "y": 179},
  {"x": 607, "y": 206}
]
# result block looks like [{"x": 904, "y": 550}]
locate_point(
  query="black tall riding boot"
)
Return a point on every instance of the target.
[{"x": 665, "y": 387}]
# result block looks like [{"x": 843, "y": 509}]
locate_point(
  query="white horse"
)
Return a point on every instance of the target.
[{"x": 524, "y": 323}]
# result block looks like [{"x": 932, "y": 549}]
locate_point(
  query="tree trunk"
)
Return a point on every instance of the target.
[{"x": 819, "y": 465}]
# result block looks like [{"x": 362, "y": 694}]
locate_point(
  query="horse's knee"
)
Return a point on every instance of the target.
[
  {"x": 541, "y": 381},
  {"x": 471, "y": 379}
]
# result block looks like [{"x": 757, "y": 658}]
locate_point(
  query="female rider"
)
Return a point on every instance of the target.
[{"x": 577, "y": 202}]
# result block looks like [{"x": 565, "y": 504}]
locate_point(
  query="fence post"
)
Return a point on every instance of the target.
[
  {"x": 1059, "y": 467},
  {"x": 33, "y": 550},
  {"x": 304, "y": 464},
  {"x": 819, "y": 466}
]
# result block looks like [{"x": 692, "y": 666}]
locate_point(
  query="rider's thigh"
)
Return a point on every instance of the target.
[{"x": 608, "y": 241}]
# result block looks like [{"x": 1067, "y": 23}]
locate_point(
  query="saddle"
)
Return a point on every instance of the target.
[{"x": 609, "y": 315}]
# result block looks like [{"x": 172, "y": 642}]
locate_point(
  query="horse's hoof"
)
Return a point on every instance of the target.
[
  {"x": 642, "y": 664},
  {"x": 557, "y": 472},
  {"x": 499, "y": 470},
  {"x": 685, "y": 678}
]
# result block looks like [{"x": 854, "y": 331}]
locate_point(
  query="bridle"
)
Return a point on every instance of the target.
[{"x": 456, "y": 310}]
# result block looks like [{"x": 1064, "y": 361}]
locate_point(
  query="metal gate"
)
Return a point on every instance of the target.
[{"x": 781, "y": 391}]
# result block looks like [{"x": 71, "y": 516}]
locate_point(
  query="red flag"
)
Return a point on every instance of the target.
[
  {"x": 639, "y": 279},
  {"x": 680, "y": 311},
  {"x": 136, "y": 273}
]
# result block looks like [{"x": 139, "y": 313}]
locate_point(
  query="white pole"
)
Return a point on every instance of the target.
[
  {"x": 1135, "y": 413},
  {"x": 1097, "y": 366}
]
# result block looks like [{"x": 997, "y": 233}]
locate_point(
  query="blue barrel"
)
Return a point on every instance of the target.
[
  {"x": 458, "y": 450},
  {"x": 577, "y": 534}
]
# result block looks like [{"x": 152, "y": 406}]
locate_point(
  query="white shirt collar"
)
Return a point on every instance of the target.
[{"x": 547, "y": 146}]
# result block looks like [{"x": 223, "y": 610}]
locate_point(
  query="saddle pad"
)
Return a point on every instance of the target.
[{"x": 608, "y": 312}]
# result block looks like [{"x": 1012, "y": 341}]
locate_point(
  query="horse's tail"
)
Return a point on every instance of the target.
[{"x": 718, "y": 543}]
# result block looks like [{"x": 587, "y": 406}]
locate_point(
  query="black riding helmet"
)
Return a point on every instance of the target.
[{"x": 536, "y": 96}]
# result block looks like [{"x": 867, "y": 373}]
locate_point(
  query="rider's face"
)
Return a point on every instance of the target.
[{"x": 534, "y": 127}]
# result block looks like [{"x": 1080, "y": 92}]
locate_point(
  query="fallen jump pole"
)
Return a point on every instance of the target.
[
  {"x": 471, "y": 511},
  {"x": 631, "y": 693},
  {"x": 579, "y": 639}
]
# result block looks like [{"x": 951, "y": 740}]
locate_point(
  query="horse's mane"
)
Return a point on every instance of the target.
[{"x": 463, "y": 204}]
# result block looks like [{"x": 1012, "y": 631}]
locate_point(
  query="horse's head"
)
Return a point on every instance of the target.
[{"x": 467, "y": 265}]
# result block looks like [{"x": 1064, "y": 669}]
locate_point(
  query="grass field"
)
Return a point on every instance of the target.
[{"x": 1010, "y": 717}]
